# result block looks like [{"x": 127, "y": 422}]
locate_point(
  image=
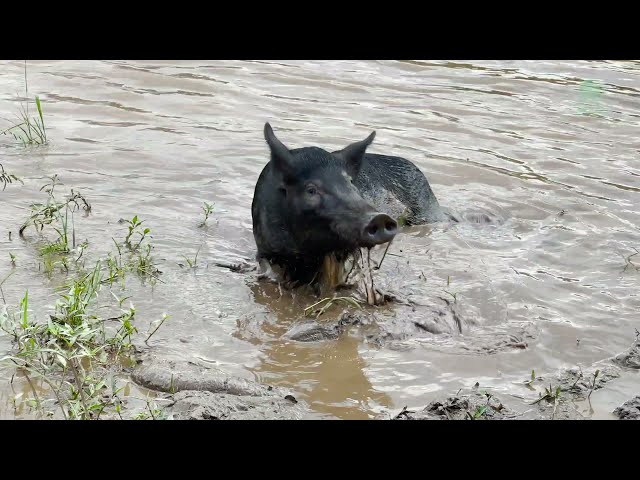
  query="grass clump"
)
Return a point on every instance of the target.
[
  {"x": 139, "y": 247},
  {"x": 28, "y": 131},
  {"x": 550, "y": 395},
  {"x": 192, "y": 263},
  {"x": 60, "y": 215},
  {"x": 76, "y": 353}
]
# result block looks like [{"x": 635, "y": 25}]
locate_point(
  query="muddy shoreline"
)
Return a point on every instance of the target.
[{"x": 197, "y": 392}]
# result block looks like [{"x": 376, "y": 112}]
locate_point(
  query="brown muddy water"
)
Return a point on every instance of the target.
[{"x": 550, "y": 150}]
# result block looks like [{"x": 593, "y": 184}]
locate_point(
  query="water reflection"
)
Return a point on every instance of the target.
[{"x": 331, "y": 375}]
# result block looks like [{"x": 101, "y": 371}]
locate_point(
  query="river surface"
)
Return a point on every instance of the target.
[{"x": 551, "y": 149}]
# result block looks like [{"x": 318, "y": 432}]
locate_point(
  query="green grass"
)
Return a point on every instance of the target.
[
  {"x": 207, "y": 208},
  {"x": 74, "y": 353},
  {"x": 550, "y": 395},
  {"x": 192, "y": 263},
  {"x": 60, "y": 215},
  {"x": 28, "y": 131},
  {"x": 135, "y": 229}
]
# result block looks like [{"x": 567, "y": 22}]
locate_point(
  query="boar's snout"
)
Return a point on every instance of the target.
[{"x": 380, "y": 228}]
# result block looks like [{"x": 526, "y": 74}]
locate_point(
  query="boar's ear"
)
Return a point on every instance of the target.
[
  {"x": 354, "y": 153},
  {"x": 280, "y": 155}
]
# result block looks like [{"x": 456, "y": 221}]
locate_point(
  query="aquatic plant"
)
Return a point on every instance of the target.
[{"x": 29, "y": 130}]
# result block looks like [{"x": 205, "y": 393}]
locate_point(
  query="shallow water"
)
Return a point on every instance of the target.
[{"x": 549, "y": 149}]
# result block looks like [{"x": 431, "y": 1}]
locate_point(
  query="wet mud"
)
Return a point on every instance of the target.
[{"x": 558, "y": 397}]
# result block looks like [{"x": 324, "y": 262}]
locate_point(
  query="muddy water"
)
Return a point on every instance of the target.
[{"x": 548, "y": 150}]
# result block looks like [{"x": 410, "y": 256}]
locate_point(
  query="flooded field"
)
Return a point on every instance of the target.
[{"x": 549, "y": 152}]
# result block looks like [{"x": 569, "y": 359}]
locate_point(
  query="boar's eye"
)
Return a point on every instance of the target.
[{"x": 312, "y": 190}]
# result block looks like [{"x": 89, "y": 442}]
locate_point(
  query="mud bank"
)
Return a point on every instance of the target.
[
  {"x": 202, "y": 393},
  {"x": 196, "y": 392},
  {"x": 556, "y": 396},
  {"x": 629, "y": 410}
]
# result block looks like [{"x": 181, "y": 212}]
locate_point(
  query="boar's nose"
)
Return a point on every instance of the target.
[{"x": 380, "y": 229}]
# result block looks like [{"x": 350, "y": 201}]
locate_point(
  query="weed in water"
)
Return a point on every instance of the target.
[
  {"x": 453, "y": 295},
  {"x": 578, "y": 378},
  {"x": 533, "y": 379},
  {"x": 81, "y": 248},
  {"x": 119, "y": 300},
  {"x": 593, "y": 385},
  {"x": 207, "y": 208},
  {"x": 145, "y": 265},
  {"x": 363, "y": 273},
  {"x": 548, "y": 394},
  {"x": 192, "y": 263},
  {"x": 7, "y": 178},
  {"x": 630, "y": 263},
  {"x": 154, "y": 412},
  {"x": 138, "y": 259},
  {"x": 162, "y": 320},
  {"x": 551, "y": 396},
  {"x": 117, "y": 270},
  {"x": 2, "y": 283},
  {"x": 135, "y": 228},
  {"x": 73, "y": 353},
  {"x": 367, "y": 280},
  {"x": 29, "y": 131},
  {"x": 58, "y": 214},
  {"x": 317, "y": 309},
  {"x": 143, "y": 262}
]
